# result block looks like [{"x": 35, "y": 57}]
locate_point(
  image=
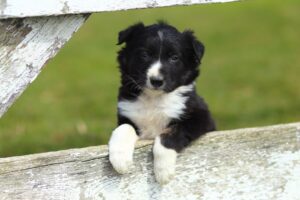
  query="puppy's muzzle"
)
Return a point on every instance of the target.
[{"x": 156, "y": 82}]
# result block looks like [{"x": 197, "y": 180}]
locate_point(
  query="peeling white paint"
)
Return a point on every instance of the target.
[
  {"x": 298, "y": 134},
  {"x": 22, "y": 57},
  {"x": 22, "y": 8},
  {"x": 287, "y": 165},
  {"x": 75, "y": 154}
]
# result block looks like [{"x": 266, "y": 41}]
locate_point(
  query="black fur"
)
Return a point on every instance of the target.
[
  {"x": 180, "y": 54},
  {"x": 195, "y": 122}
]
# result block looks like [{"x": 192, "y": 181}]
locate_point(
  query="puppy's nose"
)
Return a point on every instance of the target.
[{"x": 156, "y": 82}]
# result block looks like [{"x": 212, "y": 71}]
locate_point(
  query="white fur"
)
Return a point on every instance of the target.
[
  {"x": 160, "y": 35},
  {"x": 153, "y": 110},
  {"x": 121, "y": 147},
  {"x": 164, "y": 162},
  {"x": 154, "y": 70}
]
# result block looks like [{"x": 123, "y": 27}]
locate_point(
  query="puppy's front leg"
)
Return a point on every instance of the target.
[
  {"x": 121, "y": 147},
  {"x": 164, "y": 162}
]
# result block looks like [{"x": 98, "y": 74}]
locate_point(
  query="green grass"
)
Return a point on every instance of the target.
[{"x": 250, "y": 74}]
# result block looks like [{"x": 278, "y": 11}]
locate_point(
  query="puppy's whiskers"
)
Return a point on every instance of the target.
[{"x": 135, "y": 85}]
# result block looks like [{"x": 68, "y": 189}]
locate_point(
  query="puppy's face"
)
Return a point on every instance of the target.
[{"x": 159, "y": 57}]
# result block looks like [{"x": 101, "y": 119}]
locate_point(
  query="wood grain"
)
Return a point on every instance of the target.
[
  {"x": 256, "y": 163},
  {"x": 29, "y": 8},
  {"x": 25, "y": 46}
]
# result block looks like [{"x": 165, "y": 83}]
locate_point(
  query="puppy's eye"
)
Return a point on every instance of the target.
[
  {"x": 174, "y": 58},
  {"x": 144, "y": 55}
]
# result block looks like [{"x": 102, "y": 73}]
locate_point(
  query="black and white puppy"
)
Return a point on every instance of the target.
[{"x": 157, "y": 97}]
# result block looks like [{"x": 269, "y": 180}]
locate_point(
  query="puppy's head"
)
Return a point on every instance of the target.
[{"x": 159, "y": 57}]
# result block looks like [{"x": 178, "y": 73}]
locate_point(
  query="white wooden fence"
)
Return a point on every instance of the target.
[
  {"x": 247, "y": 164},
  {"x": 258, "y": 163}
]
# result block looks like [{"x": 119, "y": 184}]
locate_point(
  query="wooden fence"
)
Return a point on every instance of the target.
[
  {"x": 257, "y": 163},
  {"x": 246, "y": 164}
]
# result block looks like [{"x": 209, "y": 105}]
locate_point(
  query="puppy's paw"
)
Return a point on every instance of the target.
[
  {"x": 121, "y": 147},
  {"x": 121, "y": 161},
  {"x": 164, "y": 162},
  {"x": 164, "y": 175}
]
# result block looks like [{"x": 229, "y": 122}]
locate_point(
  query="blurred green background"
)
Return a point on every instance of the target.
[{"x": 250, "y": 74}]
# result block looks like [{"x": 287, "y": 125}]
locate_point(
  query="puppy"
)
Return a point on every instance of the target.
[{"x": 157, "y": 98}]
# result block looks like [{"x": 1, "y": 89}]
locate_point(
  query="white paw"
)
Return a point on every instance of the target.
[
  {"x": 121, "y": 147},
  {"x": 121, "y": 161},
  {"x": 164, "y": 175},
  {"x": 164, "y": 162}
]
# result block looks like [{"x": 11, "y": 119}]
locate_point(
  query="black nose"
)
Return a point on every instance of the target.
[{"x": 156, "y": 82}]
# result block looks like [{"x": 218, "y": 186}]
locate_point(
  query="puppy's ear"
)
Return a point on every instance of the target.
[
  {"x": 127, "y": 34},
  {"x": 197, "y": 46}
]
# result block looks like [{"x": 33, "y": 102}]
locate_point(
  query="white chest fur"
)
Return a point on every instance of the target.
[{"x": 153, "y": 110}]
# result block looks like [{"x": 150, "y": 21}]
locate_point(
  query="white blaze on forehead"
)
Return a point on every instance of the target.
[
  {"x": 154, "y": 70},
  {"x": 160, "y": 35}
]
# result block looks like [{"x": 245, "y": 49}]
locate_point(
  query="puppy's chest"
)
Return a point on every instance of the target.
[{"x": 152, "y": 113}]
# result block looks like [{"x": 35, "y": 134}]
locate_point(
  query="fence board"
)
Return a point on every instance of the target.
[
  {"x": 29, "y": 8},
  {"x": 256, "y": 163},
  {"x": 25, "y": 46}
]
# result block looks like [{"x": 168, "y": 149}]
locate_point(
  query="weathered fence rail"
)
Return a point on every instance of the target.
[
  {"x": 30, "y": 8},
  {"x": 255, "y": 163},
  {"x": 25, "y": 46}
]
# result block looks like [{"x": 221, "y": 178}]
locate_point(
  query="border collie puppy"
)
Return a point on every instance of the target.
[{"x": 157, "y": 98}]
